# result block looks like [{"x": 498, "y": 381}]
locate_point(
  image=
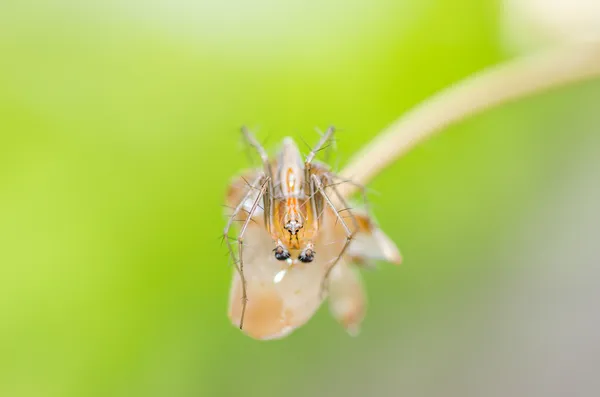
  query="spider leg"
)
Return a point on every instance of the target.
[
  {"x": 308, "y": 173},
  {"x": 268, "y": 193},
  {"x": 364, "y": 192},
  {"x": 349, "y": 234},
  {"x": 331, "y": 185},
  {"x": 324, "y": 139},
  {"x": 261, "y": 181}
]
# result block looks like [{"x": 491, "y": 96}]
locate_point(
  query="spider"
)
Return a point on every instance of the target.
[{"x": 289, "y": 215}]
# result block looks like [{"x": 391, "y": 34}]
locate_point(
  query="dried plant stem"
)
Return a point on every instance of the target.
[{"x": 506, "y": 82}]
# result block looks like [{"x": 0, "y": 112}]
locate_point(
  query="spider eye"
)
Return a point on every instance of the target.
[
  {"x": 307, "y": 256},
  {"x": 293, "y": 227},
  {"x": 281, "y": 254}
]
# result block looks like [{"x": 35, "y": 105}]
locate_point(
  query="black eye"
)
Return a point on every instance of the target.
[
  {"x": 281, "y": 254},
  {"x": 307, "y": 256}
]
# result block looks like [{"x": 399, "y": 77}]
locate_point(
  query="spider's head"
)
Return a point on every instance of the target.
[{"x": 293, "y": 226}]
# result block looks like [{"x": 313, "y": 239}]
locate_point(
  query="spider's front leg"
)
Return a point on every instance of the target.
[
  {"x": 260, "y": 183},
  {"x": 349, "y": 234},
  {"x": 315, "y": 204},
  {"x": 268, "y": 172}
]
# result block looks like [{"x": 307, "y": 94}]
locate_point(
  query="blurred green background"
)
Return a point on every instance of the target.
[{"x": 119, "y": 134}]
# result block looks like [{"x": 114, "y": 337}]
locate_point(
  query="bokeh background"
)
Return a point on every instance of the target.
[{"x": 119, "y": 134}]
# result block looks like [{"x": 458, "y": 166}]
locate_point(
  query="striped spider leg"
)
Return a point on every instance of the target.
[
  {"x": 317, "y": 190},
  {"x": 349, "y": 234},
  {"x": 268, "y": 201},
  {"x": 315, "y": 201},
  {"x": 262, "y": 181},
  {"x": 362, "y": 218},
  {"x": 364, "y": 243},
  {"x": 370, "y": 243}
]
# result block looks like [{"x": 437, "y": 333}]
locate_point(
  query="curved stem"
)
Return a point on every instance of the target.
[{"x": 494, "y": 86}]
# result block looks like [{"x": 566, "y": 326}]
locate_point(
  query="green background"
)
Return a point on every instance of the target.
[{"x": 119, "y": 132}]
